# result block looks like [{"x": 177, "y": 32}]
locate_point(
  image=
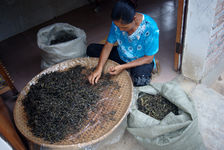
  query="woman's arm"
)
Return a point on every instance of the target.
[
  {"x": 138, "y": 62},
  {"x": 94, "y": 77},
  {"x": 104, "y": 55}
]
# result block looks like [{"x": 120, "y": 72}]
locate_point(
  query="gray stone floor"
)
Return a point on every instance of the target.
[
  {"x": 128, "y": 142},
  {"x": 209, "y": 105},
  {"x": 218, "y": 85}
]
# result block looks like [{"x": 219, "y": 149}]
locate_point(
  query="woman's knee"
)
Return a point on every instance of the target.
[
  {"x": 141, "y": 80},
  {"x": 145, "y": 70},
  {"x": 141, "y": 75}
]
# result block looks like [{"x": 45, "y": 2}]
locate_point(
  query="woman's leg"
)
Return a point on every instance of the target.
[
  {"x": 141, "y": 75},
  {"x": 94, "y": 50}
]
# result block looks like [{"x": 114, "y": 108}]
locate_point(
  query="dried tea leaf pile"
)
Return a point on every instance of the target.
[
  {"x": 58, "y": 104},
  {"x": 62, "y": 36},
  {"x": 155, "y": 106}
]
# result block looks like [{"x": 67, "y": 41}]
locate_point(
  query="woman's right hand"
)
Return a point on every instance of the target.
[{"x": 95, "y": 76}]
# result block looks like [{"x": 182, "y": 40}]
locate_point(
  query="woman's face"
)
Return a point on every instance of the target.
[{"x": 125, "y": 27}]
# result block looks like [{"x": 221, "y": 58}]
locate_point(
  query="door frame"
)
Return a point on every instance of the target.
[{"x": 180, "y": 33}]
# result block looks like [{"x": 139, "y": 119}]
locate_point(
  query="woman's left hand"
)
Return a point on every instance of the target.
[{"x": 114, "y": 70}]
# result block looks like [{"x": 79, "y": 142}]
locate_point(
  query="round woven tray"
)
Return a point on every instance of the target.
[{"x": 117, "y": 101}]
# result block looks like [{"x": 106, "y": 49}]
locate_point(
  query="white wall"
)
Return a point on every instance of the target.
[
  {"x": 19, "y": 15},
  {"x": 215, "y": 55},
  {"x": 199, "y": 26}
]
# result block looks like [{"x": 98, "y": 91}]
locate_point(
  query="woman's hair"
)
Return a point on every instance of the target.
[{"x": 124, "y": 10}]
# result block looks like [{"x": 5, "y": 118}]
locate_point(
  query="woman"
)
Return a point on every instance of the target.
[{"x": 138, "y": 41}]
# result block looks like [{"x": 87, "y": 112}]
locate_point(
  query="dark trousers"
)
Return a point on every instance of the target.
[{"x": 140, "y": 75}]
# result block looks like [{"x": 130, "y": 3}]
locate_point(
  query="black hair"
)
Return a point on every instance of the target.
[{"x": 124, "y": 10}]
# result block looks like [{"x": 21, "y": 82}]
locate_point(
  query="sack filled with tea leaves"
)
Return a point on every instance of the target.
[
  {"x": 163, "y": 117},
  {"x": 155, "y": 106},
  {"x": 59, "y": 42}
]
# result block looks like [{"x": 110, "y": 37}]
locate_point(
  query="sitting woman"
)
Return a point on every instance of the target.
[{"x": 138, "y": 41}]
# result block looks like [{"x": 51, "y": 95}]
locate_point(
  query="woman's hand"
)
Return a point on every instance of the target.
[
  {"x": 95, "y": 76},
  {"x": 114, "y": 70}
]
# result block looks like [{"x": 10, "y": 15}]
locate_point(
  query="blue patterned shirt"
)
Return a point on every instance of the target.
[{"x": 143, "y": 42}]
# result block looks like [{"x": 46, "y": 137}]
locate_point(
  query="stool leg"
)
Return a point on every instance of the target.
[{"x": 7, "y": 79}]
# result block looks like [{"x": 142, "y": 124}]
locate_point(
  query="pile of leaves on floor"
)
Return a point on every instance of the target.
[
  {"x": 155, "y": 106},
  {"x": 58, "y": 104}
]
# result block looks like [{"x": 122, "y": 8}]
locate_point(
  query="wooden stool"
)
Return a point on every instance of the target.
[{"x": 6, "y": 83}]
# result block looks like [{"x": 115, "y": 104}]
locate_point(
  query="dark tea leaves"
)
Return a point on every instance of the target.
[
  {"x": 63, "y": 36},
  {"x": 155, "y": 106},
  {"x": 58, "y": 104}
]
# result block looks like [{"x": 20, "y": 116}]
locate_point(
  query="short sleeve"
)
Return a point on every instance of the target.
[
  {"x": 152, "y": 43},
  {"x": 112, "y": 36}
]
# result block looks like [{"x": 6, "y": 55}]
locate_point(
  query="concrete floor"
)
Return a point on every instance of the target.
[{"x": 21, "y": 56}]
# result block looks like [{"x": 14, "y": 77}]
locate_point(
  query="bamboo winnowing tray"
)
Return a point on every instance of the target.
[{"x": 119, "y": 101}]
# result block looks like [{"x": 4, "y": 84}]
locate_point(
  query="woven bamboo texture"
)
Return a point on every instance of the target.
[{"x": 117, "y": 100}]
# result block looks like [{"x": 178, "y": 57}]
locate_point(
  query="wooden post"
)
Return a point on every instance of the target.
[{"x": 178, "y": 33}]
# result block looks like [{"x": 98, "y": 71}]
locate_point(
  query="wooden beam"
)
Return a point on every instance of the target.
[{"x": 178, "y": 32}]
